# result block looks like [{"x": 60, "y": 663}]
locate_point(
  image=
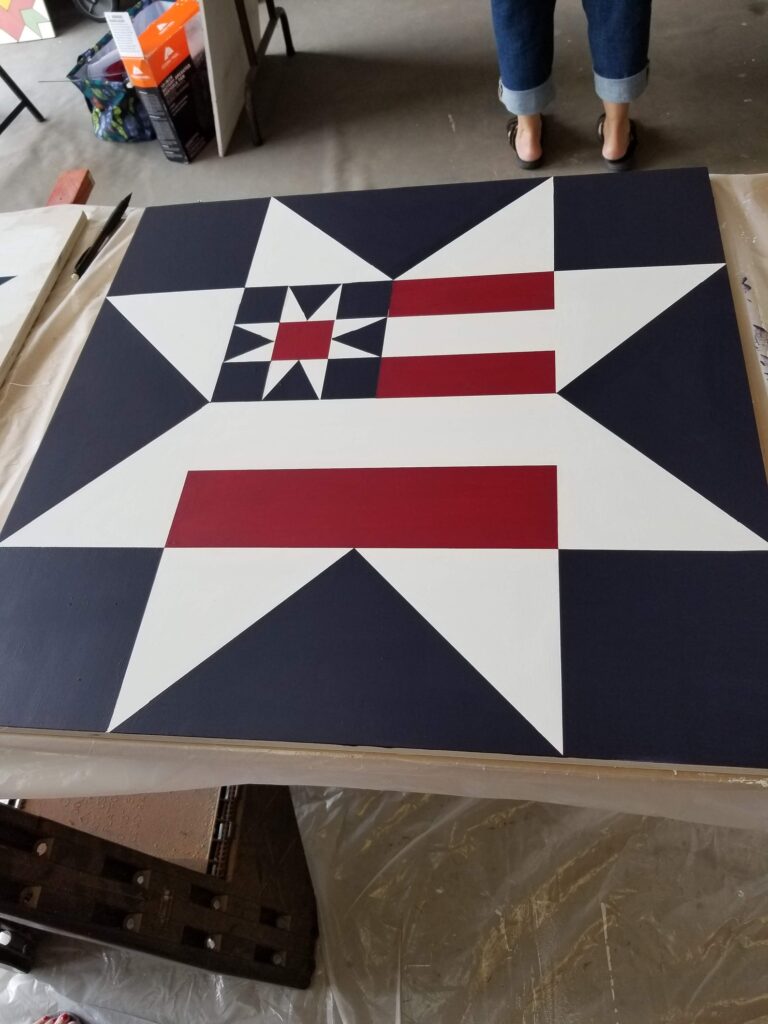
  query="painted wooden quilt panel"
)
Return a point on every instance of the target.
[
  {"x": 34, "y": 245},
  {"x": 464, "y": 468},
  {"x": 23, "y": 21}
]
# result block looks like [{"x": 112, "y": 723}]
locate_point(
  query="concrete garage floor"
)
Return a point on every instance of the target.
[{"x": 397, "y": 92}]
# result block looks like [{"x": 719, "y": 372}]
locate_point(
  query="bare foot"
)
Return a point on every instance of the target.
[
  {"x": 616, "y": 130},
  {"x": 528, "y": 138}
]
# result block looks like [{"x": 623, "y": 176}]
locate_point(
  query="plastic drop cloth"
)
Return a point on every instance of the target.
[{"x": 456, "y": 911}]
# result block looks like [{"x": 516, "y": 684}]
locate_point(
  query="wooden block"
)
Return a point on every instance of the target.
[
  {"x": 227, "y": 63},
  {"x": 35, "y": 245},
  {"x": 72, "y": 187}
]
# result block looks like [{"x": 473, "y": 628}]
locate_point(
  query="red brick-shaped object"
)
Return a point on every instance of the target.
[{"x": 72, "y": 187}]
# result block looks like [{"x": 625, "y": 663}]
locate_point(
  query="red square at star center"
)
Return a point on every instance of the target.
[{"x": 310, "y": 339}]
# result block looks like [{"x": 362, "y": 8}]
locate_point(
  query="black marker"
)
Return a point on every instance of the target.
[{"x": 104, "y": 235}]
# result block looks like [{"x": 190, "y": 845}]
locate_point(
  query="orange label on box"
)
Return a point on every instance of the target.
[
  {"x": 161, "y": 30},
  {"x": 164, "y": 44},
  {"x": 166, "y": 58}
]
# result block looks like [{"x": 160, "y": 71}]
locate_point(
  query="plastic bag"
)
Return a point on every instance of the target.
[{"x": 117, "y": 113}]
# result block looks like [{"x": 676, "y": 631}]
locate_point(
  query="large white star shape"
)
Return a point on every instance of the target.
[{"x": 499, "y": 609}]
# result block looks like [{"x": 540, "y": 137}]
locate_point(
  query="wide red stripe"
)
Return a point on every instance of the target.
[
  {"x": 493, "y": 293},
  {"x": 503, "y": 373},
  {"x": 451, "y": 507}
]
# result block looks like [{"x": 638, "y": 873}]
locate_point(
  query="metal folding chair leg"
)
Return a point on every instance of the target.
[{"x": 24, "y": 102}]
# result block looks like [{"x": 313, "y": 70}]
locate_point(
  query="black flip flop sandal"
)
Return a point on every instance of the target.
[
  {"x": 525, "y": 165},
  {"x": 624, "y": 163}
]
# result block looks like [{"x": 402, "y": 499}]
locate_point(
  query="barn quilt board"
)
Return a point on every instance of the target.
[
  {"x": 24, "y": 21},
  {"x": 34, "y": 246},
  {"x": 464, "y": 468}
]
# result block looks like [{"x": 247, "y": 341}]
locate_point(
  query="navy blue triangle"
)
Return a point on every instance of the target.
[
  {"x": 194, "y": 246},
  {"x": 344, "y": 660},
  {"x": 684, "y": 632},
  {"x": 4, "y": 279},
  {"x": 240, "y": 382},
  {"x": 678, "y": 392},
  {"x": 351, "y": 378},
  {"x": 243, "y": 341},
  {"x": 650, "y": 219},
  {"x": 261, "y": 305},
  {"x": 70, "y": 618},
  {"x": 294, "y": 385},
  {"x": 396, "y": 228},
  {"x": 122, "y": 394},
  {"x": 367, "y": 339},
  {"x": 311, "y": 296}
]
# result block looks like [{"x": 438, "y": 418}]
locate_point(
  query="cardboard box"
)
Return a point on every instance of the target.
[{"x": 166, "y": 64}]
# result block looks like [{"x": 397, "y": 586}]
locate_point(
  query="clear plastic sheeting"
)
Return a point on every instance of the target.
[{"x": 445, "y": 909}]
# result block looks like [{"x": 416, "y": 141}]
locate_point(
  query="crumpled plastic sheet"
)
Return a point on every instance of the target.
[{"x": 446, "y": 910}]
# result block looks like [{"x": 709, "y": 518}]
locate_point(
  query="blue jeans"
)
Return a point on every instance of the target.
[{"x": 618, "y": 38}]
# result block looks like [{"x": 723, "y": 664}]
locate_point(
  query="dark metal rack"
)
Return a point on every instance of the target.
[
  {"x": 255, "y": 917},
  {"x": 256, "y": 56}
]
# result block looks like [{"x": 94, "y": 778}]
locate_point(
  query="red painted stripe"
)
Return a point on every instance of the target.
[
  {"x": 451, "y": 507},
  {"x": 494, "y": 293},
  {"x": 504, "y": 373}
]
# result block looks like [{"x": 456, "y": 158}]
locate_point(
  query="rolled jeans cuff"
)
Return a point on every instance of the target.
[
  {"x": 527, "y": 101},
  {"x": 621, "y": 90}
]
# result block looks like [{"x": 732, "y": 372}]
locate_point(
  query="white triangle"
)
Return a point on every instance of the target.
[
  {"x": 612, "y": 497},
  {"x": 329, "y": 308},
  {"x": 500, "y": 610},
  {"x": 315, "y": 371},
  {"x": 290, "y": 250},
  {"x": 292, "y": 312},
  {"x": 596, "y": 310},
  {"x": 518, "y": 239},
  {"x": 277, "y": 370},
  {"x": 342, "y": 327},
  {"x": 191, "y": 329},
  {"x": 263, "y": 354},
  {"x": 339, "y": 350},
  {"x": 201, "y": 599},
  {"x": 130, "y": 505},
  {"x": 264, "y": 330}
]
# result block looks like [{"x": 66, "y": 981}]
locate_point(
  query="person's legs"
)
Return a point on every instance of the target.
[
  {"x": 615, "y": 130},
  {"x": 619, "y": 32},
  {"x": 525, "y": 42}
]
